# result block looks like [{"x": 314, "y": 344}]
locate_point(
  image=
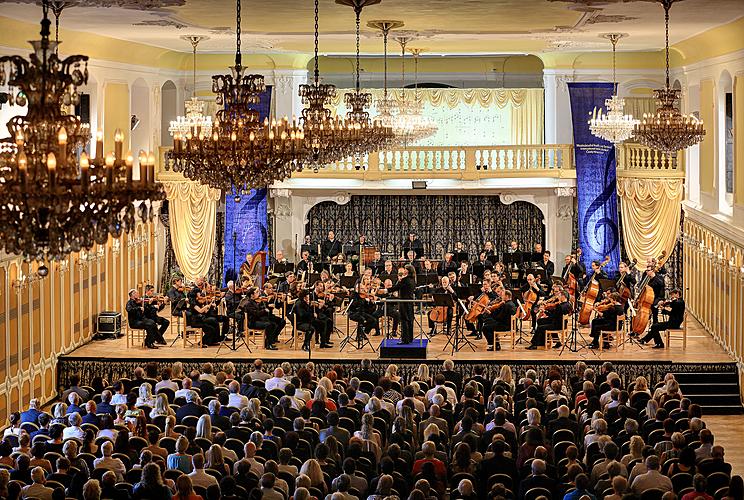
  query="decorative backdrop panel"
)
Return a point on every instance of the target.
[
  {"x": 595, "y": 177},
  {"x": 246, "y": 229},
  {"x": 439, "y": 221}
]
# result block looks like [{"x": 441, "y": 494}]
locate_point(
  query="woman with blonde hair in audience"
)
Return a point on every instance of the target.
[
  {"x": 392, "y": 373},
  {"x": 651, "y": 407},
  {"x": 672, "y": 392},
  {"x": 121, "y": 412},
  {"x": 59, "y": 413},
  {"x": 641, "y": 385},
  {"x": 422, "y": 374},
  {"x": 177, "y": 371},
  {"x": 204, "y": 427},
  {"x": 311, "y": 468},
  {"x": 321, "y": 394},
  {"x": 170, "y": 424},
  {"x": 145, "y": 397},
  {"x": 506, "y": 378},
  {"x": 326, "y": 384},
  {"x": 636, "y": 450},
  {"x": 215, "y": 460},
  {"x": 162, "y": 408},
  {"x": 371, "y": 440}
]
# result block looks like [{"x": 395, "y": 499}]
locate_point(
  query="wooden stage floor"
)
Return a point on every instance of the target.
[{"x": 700, "y": 348}]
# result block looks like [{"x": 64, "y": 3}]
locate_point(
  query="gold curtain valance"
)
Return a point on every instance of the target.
[
  {"x": 651, "y": 211},
  {"x": 193, "y": 220},
  {"x": 453, "y": 97}
]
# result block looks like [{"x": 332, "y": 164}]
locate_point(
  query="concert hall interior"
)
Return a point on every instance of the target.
[{"x": 456, "y": 188}]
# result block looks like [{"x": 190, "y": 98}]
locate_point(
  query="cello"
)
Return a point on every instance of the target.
[
  {"x": 589, "y": 295},
  {"x": 645, "y": 301},
  {"x": 529, "y": 297},
  {"x": 479, "y": 306},
  {"x": 625, "y": 292}
]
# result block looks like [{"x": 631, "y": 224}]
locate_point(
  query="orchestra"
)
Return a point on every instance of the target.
[{"x": 520, "y": 288}]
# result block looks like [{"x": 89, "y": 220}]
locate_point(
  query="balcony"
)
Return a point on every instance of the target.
[
  {"x": 634, "y": 160},
  {"x": 468, "y": 163}
]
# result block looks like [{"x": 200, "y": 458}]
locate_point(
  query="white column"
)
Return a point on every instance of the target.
[
  {"x": 558, "y": 127},
  {"x": 287, "y": 100}
]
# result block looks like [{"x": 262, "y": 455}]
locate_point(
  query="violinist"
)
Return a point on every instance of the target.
[
  {"x": 675, "y": 309},
  {"x": 475, "y": 329},
  {"x": 289, "y": 284},
  {"x": 307, "y": 320},
  {"x": 199, "y": 318},
  {"x": 607, "y": 312},
  {"x": 323, "y": 308},
  {"x": 259, "y": 316},
  {"x": 152, "y": 306},
  {"x": 362, "y": 308},
  {"x": 214, "y": 310},
  {"x": 232, "y": 301},
  {"x": 553, "y": 321},
  {"x": 137, "y": 319},
  {"x": 444, "y": 288},
  {"x": 499, "y": 320},
  {"x": 176, "y": 295}
]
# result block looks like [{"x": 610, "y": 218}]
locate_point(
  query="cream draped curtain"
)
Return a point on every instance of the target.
[
  {"x": 651, "y": 210},
  {"x": 193, "y": 221},
  {"x": 471, "y": 117}
]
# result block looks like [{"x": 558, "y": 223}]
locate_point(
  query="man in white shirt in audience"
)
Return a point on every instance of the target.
[
  {"x": 277, "y": 381},
  {"x": 235, "y": 399},
  {"x": 198, "y": 476}
]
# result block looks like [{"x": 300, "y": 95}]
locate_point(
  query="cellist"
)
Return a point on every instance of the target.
[
  {"x": 486, "y": 290},
  {"x": 443, "y": 288},
  {"x": 532, "y": 285},
  {"x": 625, "y": 284},
  {"x": 500, "y": 319}
]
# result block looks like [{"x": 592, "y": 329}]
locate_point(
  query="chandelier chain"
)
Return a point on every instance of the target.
[
  {"x": 385, "y": 32},
  {"x": 238, "y": 58},
  {"x": 316, "y": 73},
  {"x": 358, "y": 12},
  {"x": 667, "y": 6},
  {"x": 194, "y": 43}
]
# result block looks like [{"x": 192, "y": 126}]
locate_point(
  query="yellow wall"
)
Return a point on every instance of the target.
[
  {"x": 708, "y": 146},
  {"x": 56, "y": 315},
  {"x": 739, "y": 139},
  {"x": 115, "y": 114},
  {"x": 714, "y": 42}
]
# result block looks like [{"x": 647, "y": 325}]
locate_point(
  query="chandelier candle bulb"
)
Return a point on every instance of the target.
[
  {"x": 118, "y": 144},
  {"x": 51, "y": 162},
  {"x": 143, "y": 166},
  {"x": 129, "y": 162},
  {"x": 62, "y": 141},
  {"x": 151, "y": 168},
  {"x": 23, "y": 171},
  {"x": 99, "y": 144},
  {"x": 110, "y": 169},
  {"x": 84, "y": 174}
]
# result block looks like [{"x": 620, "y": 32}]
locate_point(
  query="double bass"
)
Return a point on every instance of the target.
[
  {"x": 589, "y": 296},
  {"x": 645, "y": 301}
]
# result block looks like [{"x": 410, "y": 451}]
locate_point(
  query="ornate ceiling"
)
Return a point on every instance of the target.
[{"x": 447, "y": 26}]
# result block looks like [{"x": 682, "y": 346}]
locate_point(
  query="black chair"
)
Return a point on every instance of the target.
[
  {"x": 203, "y": 443},
  {"x": 201, "y": 491},
  {"x": 168, "y": 443},
  {"x": 126, "y": 487},
  {"x": 652, "y": 494},
  {"x": 190, "y": 420},
  {"x": 497, "y": 478},
  {"x": 721, "y": 493},
  {"x": 172, "y": 474},
  {"x": 534, "y": 493},
  {"x": 563, "y": 435},
  {"x": 169, "y": 393},
  {"x": 716, "y": 481},
  {"x": 133, "y": 476},
  {"x": 681, "y": 481},
  {"x": 236, "y": 446},
  {"x": 559, "y": 450},
  {"x": 137, "y": 443}
]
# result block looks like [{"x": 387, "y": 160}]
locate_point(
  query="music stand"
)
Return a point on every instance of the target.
[
  {"x": 460, "y": 256},
  {"x": 458, "y": 340},
  {"x": 348, "y": 282},
  {"x": 606, "y": 284},
  {"x": 492, "y": 258},
  {"x": 178, "y": 309},
  {"x": 572, "y": 342},
  {"x": 313, "y": 278},
  {"x": 283, "y": 267},
  {"x": 235, "y": 344}
]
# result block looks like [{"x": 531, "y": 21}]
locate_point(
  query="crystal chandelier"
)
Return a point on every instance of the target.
[
  {"x": 668, "y": 130},
  {"x": 194, "y": 121},
  {"x": 368, "y": 135},
  {"x": 387, "y": 106},
  {"x": 614, "y": 126},
  {"x": 241, "y": 153},
  {"x": 54, "y": 200},
  {"x": 425, "y": 126},
  {"x": 325, "y": 138},
  {"x": 410, "y": 122}
]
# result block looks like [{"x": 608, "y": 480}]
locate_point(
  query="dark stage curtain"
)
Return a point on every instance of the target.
[{"x": 439, "y": 222}]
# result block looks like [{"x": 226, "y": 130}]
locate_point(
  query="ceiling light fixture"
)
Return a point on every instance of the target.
[
  {"x": 613, "y": 126},
  {"x": 668, "y": 130},
  {"x": 55, "y": 200},
  {"x": 194, "y": 122}
]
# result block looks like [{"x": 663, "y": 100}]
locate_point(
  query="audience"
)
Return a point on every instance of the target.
[{"x": 345, "y": 434}]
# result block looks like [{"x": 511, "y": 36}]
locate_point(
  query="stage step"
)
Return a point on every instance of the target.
[{"x": 717, "y": 392}]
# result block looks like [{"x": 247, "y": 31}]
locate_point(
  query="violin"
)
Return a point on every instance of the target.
[
  {"x": 604, "y": 305},
  {"x": 546, "y": 306}
]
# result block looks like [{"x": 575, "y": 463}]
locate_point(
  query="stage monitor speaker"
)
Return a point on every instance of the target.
[
  {"x": 108, "y": 324},
  {"x": 418, "y": 184}
]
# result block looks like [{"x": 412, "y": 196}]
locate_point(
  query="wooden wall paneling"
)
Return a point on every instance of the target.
[
  {"x": 4, "y": 337},
  {"x": 76, "y": 315},
  {"x": 13, "y": 318},
  {"x": 24, "y": 317}
]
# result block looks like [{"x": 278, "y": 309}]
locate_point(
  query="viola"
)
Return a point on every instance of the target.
[
  {"x": 589, "y": 296},
  {"x": 603, "y": 305},
  {"x": 645, "y": 301},
  {"x": 546, "y": 306}
]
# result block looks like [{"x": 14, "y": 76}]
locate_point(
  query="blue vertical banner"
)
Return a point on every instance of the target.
[
  {"x": 246, "y": 218},
  {"x": 596, "y": 182},
  {"x": 246, "y": 229}
]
